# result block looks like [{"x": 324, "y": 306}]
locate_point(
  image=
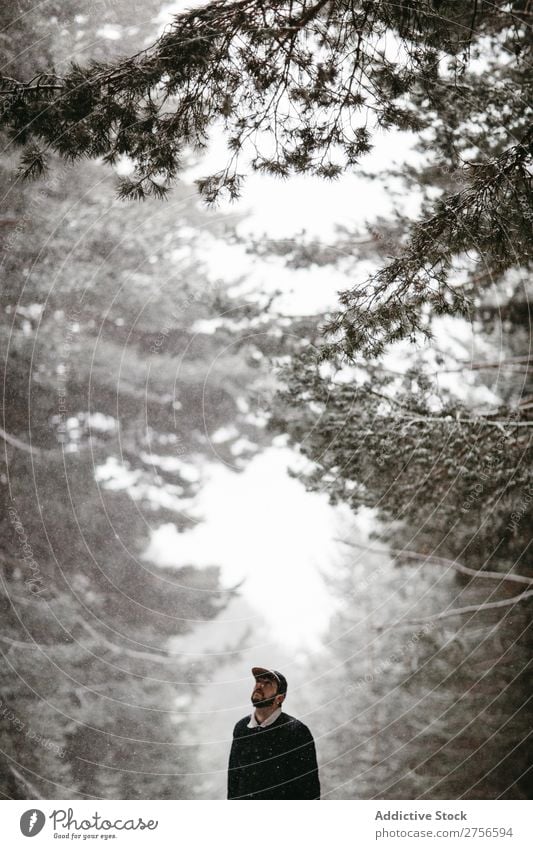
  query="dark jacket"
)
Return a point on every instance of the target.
[{"x": 276, "y": 762}]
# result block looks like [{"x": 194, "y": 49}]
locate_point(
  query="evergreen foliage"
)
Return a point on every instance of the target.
[
  {"x": 301, "y": 87},
  {"x": 298, "y": 83},
  {"x": 95, "y": 310}
]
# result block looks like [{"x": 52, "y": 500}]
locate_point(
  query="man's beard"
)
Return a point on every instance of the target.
[{"x": 263, "y": 703}]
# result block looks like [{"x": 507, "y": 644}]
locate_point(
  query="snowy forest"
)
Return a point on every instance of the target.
[{"x": 267, "y": 392}]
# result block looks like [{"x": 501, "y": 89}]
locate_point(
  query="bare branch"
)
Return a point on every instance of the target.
[
  {"x": 31, "y": 787},
  {"x": 17, "y": 443},
  {"x": 462, "y": 611},
  {"x": 432, "y": 558},
  {"x": 18, "y": 644}
]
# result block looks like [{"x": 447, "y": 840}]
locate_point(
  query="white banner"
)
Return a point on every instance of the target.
[{"x": 199, "y": 824}]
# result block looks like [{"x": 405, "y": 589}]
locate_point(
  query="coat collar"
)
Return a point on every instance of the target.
[{"x": 253, "y": 723}]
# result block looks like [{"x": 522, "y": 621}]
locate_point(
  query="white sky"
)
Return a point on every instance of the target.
[
  {"x": 283, "y": 208},
  {"x": 262, "y": 526}
]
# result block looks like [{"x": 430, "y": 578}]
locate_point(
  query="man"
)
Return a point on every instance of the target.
[{"x": 273, "y": 754}]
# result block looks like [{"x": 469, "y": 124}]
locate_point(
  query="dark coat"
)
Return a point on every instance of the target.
[{"x": 276, "y": 762}]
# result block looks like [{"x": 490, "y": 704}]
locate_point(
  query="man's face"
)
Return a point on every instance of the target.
[{"x": 264, "y": 692}]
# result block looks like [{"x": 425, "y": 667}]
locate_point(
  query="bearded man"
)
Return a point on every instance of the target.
[{"x": 273, "y": 754}]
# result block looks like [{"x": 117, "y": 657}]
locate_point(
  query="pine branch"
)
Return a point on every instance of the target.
[
  {"x": 390, "y": 305},
  {"x": 252, "y": 66}
]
